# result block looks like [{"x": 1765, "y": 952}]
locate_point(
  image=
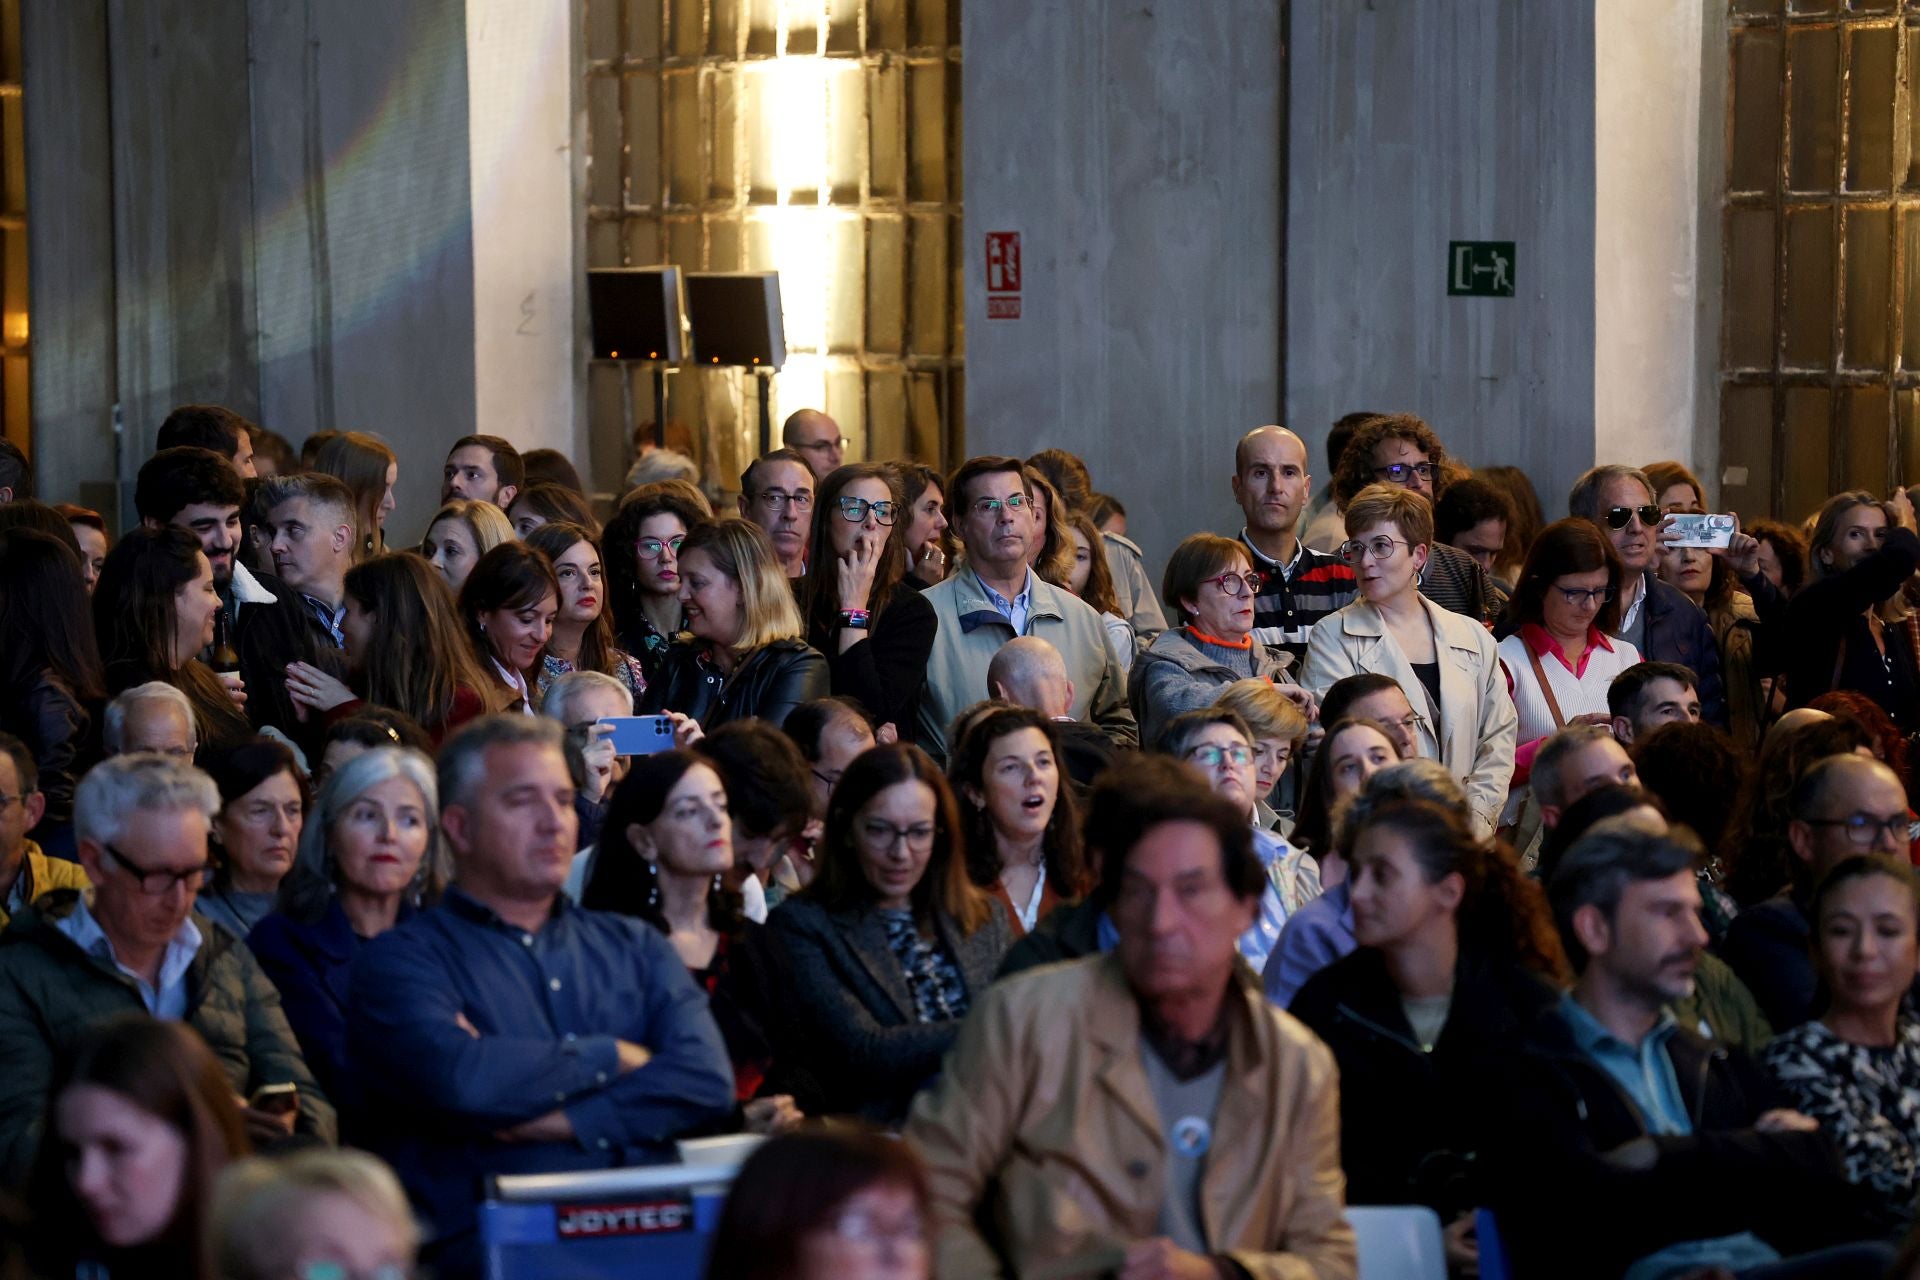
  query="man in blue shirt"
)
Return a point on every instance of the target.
[
  {"x": 1631, "y": 1147},
  {"x": 507, "y": 1031}
]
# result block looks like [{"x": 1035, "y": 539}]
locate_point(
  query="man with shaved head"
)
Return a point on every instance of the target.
[
  {"x": 1029, "y": 672},
  {"x": 815, "y": 437},
  {"x": 1271, "y": 484}
]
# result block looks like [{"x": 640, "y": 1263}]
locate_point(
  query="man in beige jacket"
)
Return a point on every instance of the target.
[{"x": 1146, "y": 1112}]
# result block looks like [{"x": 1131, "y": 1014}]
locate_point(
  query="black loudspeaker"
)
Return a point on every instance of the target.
[
  {"x": 638, "y": 313},
  {"x": 735, "y": 316}
]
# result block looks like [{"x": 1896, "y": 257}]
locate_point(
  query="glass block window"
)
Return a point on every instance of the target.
[
  {"x": 15, "y": 405},
  {"x": 1820, "y": 351},
  {"x": 819, "y": 138}
]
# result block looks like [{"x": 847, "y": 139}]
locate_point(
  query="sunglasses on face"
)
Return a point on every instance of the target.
[{"x": 1617, "y": 517}]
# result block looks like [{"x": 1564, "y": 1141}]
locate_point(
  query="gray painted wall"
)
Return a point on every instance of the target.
[
  {"x": 1136, "y": 148},
  {"x": 1415, "y": 123}
]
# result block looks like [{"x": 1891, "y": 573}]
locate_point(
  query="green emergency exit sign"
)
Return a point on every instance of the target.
[{"x": 1480, "y": 268}]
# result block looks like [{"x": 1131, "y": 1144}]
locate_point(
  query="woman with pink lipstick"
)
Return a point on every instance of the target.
[
  {"x": 640, "y": 548},
  {"x": 1022, "y": 831},
  {"x": 1210, "y": 587},
  {"x": 263, "y": 802},
  {"x": 582, "y": 632},
  {"x": 509, "y": 604}
]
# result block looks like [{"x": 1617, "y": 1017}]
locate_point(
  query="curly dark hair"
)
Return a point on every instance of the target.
[
  {"x": 1355, "y": 469},
  {"x": 1696, "y": 772}
]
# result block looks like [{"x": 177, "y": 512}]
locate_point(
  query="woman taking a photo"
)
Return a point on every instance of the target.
[
  {"x": 263, "y": 802},
  {"x": 582, "y": 637},
  {"x": 877, "y": 636},
  {"x": 1445, "y": 662},
  {"x": 744, "y": 655},
  {"x": 640, "y": 548},
  {"x": 459, "y": 534},
  {"x": 508, "y": 604},
  {"x": 891, "y": 944},
  {"x": 1022, "y": 832}
]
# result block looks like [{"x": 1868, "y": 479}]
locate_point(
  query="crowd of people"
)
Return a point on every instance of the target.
[{"x": 1403, "y": 847}]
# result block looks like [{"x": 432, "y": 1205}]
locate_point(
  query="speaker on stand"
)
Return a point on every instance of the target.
[
  {"x": 639, "y": 317},
  {"x": 735, "y": 320}
]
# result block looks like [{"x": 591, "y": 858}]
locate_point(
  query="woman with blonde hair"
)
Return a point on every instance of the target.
[
  {"x": 460, "y": 533},
  {"x": 369, "y": 469},
  {"x": 1278, "y": 727},
  {"x": 315, "y": 1212},
  {"x": 744, "y": 654}
]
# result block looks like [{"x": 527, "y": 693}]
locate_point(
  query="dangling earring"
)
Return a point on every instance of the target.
[
  {"x": 653, "y": 886},
  {"x": 717, "y": 885}
]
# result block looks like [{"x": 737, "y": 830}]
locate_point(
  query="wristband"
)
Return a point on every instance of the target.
[{"x": 855, "y": 619}]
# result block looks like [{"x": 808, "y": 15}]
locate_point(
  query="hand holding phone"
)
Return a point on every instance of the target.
[
  {"x": 639, "y": 735},
  {"x": 276, "y": 1099},
  {"x": 1700, "y": 529}
]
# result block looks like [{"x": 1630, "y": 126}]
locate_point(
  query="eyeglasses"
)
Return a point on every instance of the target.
[
  {"x": 1580, "y": 597},
  {"x": 1863, "y": 829},
  {"x": 838, "y": 442},
  {"x": 884, "y": 835},
  {"x": 854, "y": 510},
  {"x": 775, "y": 499},
  {"x": 1210, "y": 757},
  {"x": 831, "y": 780},
  {"x": 7, "y": 802},
  {"x": 1617, "y": 517},
  {"x": 650, "y": 548},
  {"x": 991, "y": 506},
  {"x": 155, "y": 883},
  {"x": 1381, "y": 549},
  {"x": 1402, "y": 473},
  {"x": 1237, "y": 585},
  {"x": 1409, "y": 724},
  {"x": 858, "y": 1227}
]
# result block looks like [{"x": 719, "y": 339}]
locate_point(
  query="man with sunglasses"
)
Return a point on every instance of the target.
[
  {"x": 132, "y": 944},
  {"x": 1655, "y": 618},
  {"x": 776, "y": 493},
  {"x": 995, "y": 596}
]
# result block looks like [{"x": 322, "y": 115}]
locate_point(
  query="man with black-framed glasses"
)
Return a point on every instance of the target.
[
  {"x": 815, "y": 437},
  {"x": 776, "y": 493},
  {"x": 132, "y": 944}
]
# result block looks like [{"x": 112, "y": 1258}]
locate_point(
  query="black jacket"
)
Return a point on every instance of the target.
[
  {"x": 1565, "y": 1210},
  {"x": 1065, "y": 933},
  {"x": 268, "y": 636},
  {"x": 887, "y": 670},
  {"x": 63, "y": 733},
  {"x": 1411, "y": 1121},
  {"x": 1678, "y": 631},
  {"x": 1826, "y": 628},
  {"x": 774, "y": 679}
]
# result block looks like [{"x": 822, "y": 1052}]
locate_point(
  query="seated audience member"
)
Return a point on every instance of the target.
[
  {"x": 1401, "y": 450},
  {"x": 641, "y": 550},
  {"x": 826, "y": 1203},
  {"x": 876, "y": 635},
  {"x": 51, "y": 681},
  {"x": 369, "y": 858},
  {"x": 132, "y": 943},
  {"x": 1300, "y": 584},
  {"x": 1657, "y": 620},
  {"x": 1783, "y": 554},
  {"x": 1523, "y": 505},
  {"x": 150, "y": 717},
  {"x": 1846, "y": 629},
  {"x": 1322, "y": 931},
  {"x": 815, "y": 437},
  {"x": 1447, "y": 666},
  {"x": 890, "y": 945},
  {"x": 312, "y": 531},
  {"x": 1649, "y": 694},
  {"x": 1856, "y": 1068},
  {"x": 776, "y": 494},
  {"x": 830, "y": 733},
  {"x": 582, "y": 636},
  {"x": 1092, "y": 581},
  {"x": 1457, "y": 954},
  {"x": 1029, "y": 672},
  {"x": 995, "y": 596},
  {"x": 90, "y": 531},
  {"x": 140, "y": 1124},
  {"x": 369, "y": 469},
  {"x": 1352, "y": 751},
  {"x": 744, "y": 654},
  {"x": 1557, "y": 652},
  {"x": 550, "y": 466},
  {"x": 153, "y": 612},
  {"x": 1631, "y": 1147},
  {"x": 508, "y": 605},
  {"x": 1022, "y": 830},
  {"x": 929, "y": 548},
  {"x": 770, "y": 799},
  {"x": 1210, "y": 587},
  {"x": 459, "y": 534},
  {"x": 1144, "y": 1112},
  {"x": 1320, "y": 521},
  {"x": 1279, "y": 728},
  {"x": 1841, "y": 806},
  {"x": 210, "y": 426},
  {"x": 506, "y": 1031},
  {"x": 544, "y": 504},
  {"x": 367, "y": 728},
  {"x": 1695, "y": 772},
  {"x": 1368, "y": 695},
  {"x": 482, "y": 469},
  {"x": 1218, "y": 743},
  {"x": 1472, "y": 516},
  {"x": 313, "y": 1214},
  {"x": 1762, "y": 855},
  {"x": 664, "y": 861},
  {"x": 263, "y": 802},
  {"x": 1886, "y": 743},
  {"x": 26, "y": 872}
]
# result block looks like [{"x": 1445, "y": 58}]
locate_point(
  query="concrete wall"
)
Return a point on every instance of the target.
[{"x": 1136, "y": 148}]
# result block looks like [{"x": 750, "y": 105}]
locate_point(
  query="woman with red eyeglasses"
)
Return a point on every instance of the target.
[{"x": 1210, "y": 586}]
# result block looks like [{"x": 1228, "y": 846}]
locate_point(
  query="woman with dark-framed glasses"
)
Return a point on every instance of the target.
[
  {"x": 1445, "y": 663},
  {"x": 1557, "y": 645},
  {"x": 876, "y": 632},
  {"x": 1210, "y": 587}
]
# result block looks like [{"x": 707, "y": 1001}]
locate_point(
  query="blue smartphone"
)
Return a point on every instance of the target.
[{"x": 639, "y": 735}]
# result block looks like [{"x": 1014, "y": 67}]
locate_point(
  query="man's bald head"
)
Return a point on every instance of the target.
[
  {"x": 1029, "y": 672},
  {"x": 815, "y": 437},
  {"x": 1845, "y": 805},
  {"x": 1253, "y": 442},
  {"x": 1795, "y": 718}
]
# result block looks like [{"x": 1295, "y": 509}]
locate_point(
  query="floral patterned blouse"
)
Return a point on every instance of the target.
[
  {"x": 939, "y": 992},
  {"x": 1867, "y": 1100},
  {"x": 625, "y": 669}
]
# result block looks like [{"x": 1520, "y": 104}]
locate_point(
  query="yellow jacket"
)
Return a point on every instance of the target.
[
  {"x": 1044, "y": 1112},
  {"x": 41, "y": 875}
]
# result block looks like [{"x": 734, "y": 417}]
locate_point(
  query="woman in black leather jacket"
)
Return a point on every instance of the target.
[{"x": 744, "y": 655}]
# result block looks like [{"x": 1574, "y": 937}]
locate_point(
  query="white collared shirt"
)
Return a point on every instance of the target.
[
  {"x": 166, "y": 1000},
  {"x": 519, "y": 682}
]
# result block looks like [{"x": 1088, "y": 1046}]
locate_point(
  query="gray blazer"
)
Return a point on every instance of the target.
[{"x": 854, "y": 1026}]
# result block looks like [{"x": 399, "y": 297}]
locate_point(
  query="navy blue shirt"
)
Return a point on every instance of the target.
[{"x": 548, "y": 1007}]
